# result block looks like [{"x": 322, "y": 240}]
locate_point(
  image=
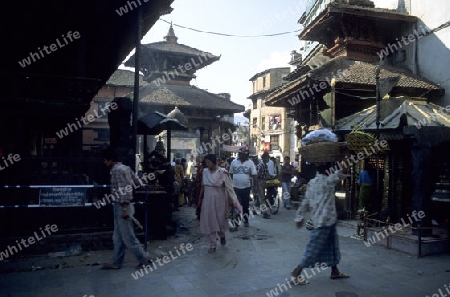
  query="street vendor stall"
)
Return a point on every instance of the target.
[{"x": 157, "y": 195}]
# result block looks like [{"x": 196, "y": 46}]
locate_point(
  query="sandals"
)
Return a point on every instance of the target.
[
  {"x": 211, "y": 250},
  {"x": 108, "y": 266},
  {"x": 340, "y": 275},
  {"x": 297, "y": 278},
  {"x": 296, "y": 272}
]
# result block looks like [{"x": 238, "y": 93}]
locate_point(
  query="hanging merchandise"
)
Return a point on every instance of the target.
[{"x": 358, "y": 141}]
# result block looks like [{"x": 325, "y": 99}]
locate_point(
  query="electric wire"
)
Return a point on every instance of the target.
[
  {"x": 231, "y": 35},
  {"x": 439, "y": 84}
]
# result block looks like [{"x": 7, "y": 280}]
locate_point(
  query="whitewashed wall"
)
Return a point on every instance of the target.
[
  {"x": 389, "y": 4},
  {"x": 433, "y": 50},
  {"x": 433, "y": 54}
]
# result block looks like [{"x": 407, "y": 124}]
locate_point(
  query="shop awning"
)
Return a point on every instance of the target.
[
  {"x": 156, "y": 122},
  {"x": 397, "y": 113}
]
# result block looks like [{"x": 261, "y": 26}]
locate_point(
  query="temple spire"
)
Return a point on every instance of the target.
[
  {"x": 401, "y": 6},
  {"x": 170, "y": 37}
]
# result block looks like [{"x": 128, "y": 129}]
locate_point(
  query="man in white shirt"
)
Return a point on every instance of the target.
[
  {"x": 271, "y": 167},
  {"x": 242, "y": 170},
  {"x": 295, "y": 164},
  {"x": 191, "y": 171}
]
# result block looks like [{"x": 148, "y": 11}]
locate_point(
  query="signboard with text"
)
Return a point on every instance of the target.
[{"x": 62, "y": 196}]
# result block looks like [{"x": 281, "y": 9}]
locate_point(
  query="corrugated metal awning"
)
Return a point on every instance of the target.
[{"x": 397, "y": 113}]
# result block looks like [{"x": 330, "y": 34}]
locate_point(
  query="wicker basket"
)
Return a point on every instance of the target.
[
  {"x": 273, "y": 183},
  {"x": 358, "y": 141},
  {"x": 323, "y": 152}
]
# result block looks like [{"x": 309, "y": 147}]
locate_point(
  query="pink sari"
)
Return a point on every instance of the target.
[{"x": 218, "y": 195}]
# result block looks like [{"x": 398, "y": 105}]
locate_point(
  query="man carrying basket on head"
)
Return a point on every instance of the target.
[
  {"x": 323, "y": 246},
  {"x": 266, "y": 171}
]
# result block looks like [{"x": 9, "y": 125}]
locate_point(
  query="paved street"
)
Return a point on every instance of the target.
[{"x": 254, "y": 261}]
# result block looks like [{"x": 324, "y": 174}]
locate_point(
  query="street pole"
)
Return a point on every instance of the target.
[
  {"x": 378, "y": 99},
  {"x": 219, "y": 144},
  {"x": 136, "y": 82}
]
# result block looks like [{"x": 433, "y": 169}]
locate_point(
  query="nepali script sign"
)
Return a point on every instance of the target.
[{"x": 62, "y": 196}]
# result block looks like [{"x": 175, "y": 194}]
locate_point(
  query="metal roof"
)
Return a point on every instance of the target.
[{"x": 397, "y": 113}]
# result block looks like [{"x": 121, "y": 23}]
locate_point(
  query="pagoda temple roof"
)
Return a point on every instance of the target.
[
  {"x": 178, "y": 48},
  {"x": 370, "y": 11},
  {"x": 324, "y": 19},
  {"x": 185, "y": 97},
  {"x": 362, "y": 73},
  {"x": 124, "y": 78},
  {"x": 171, "y": 46},
  {"x": 358, "y": 74}
]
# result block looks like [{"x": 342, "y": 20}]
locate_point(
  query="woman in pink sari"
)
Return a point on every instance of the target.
[{"x": 217, "y": 193}]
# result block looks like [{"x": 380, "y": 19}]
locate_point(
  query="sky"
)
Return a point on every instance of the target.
[{"x": 241, "y": 57}]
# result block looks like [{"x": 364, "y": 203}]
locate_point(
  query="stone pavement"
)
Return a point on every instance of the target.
[{"x": 256, "y": 261}]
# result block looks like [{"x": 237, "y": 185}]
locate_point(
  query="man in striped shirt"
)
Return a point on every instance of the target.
[{"x": 122, "y": 181}]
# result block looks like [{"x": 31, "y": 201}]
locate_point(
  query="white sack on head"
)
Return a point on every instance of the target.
[{"x": 322, "y": 135}]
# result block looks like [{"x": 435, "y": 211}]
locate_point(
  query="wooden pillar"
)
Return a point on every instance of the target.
[
  {"x": 422, "y": 181},
  {"x": 120, "y": 130}
]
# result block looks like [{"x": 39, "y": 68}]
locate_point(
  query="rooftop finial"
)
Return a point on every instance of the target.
[
  {"x": 401, "y": 6},
  {"x": 170, "y": 37}
]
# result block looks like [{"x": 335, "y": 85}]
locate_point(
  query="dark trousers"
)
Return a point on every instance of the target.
[{"x": 243, "y": 196}]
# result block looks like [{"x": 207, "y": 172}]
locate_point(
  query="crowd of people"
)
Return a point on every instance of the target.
[
  {"x": 247, "y": 176},
  {"x": 216, "y": 188}
]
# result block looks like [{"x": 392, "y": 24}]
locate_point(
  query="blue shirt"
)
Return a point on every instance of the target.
[{"x": 364, "y": 178}]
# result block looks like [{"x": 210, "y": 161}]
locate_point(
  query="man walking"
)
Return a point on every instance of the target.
[
  {"x": 190, "y": 172},
  {"x": 287, "y": 171},
  {"x": 323, "y": 246},
  {"x": 242, "y": 170},
  {"x": 266, "y": 171},
  {"x": 122, "y": 180}
]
